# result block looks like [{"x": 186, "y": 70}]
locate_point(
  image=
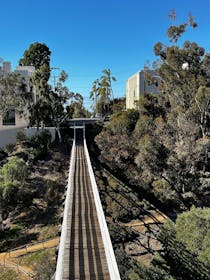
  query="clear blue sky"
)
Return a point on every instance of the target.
[{"x": 87, "y": 36}]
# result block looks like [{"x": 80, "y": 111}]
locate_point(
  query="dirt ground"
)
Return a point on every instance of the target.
[{"x": 144, "y": 247}]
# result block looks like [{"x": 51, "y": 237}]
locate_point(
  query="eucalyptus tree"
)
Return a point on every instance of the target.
[
  {"x": 36, "y": 55},
  {"x": 185, "y": 80},
  {"x": 57, "y": 99},
  {"x": 63, "y": 103}
]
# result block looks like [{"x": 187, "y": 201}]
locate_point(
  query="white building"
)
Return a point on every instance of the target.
[
  {"x": 5, "y": 69},
  {"x": 139, "y": 84},
  {"x": 12, "y": 122},
  {"x": 12, "y": 118}
]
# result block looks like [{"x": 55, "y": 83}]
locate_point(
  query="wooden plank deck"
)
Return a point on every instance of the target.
[{"x": 84, "y": 256}]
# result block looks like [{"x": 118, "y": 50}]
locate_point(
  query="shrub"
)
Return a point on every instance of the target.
[
  {"x": 3, "y": 154},
  {"x": 9, "y": 148},
  {"x": 44, "y": 265},
  {"x": 42, "y": 138},
  {"x": 14, "y": 170},
  {"x": 20, "y": 137},
  {"x": 12, "y": 181},
  {"x": 40, "y": 143},
  {"x": 8, "y": 274}
]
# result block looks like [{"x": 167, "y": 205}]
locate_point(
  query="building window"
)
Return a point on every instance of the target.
[{"x": 9, "y": 118}]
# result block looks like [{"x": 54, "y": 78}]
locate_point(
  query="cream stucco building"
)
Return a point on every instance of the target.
[
  {"x": 12, "y": 122},
  {"x": 138, "y": 85}
]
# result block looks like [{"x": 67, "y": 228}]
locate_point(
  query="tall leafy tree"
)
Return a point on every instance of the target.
[
  {"x": 58, "y": 100},
  {"x": 106, "y": 82},
  {"x": 185, "y": 76},
  {"x": 63, "y": 103},
  {"x": 102, "y": 91},
  {"x": 36, "y": 55},
  {"x": 94, "y": 94}
]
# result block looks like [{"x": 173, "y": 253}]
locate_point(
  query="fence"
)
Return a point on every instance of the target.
[
  {"x": 22, "y": 250},
  {"x": 110, "y": 256},
  {"x": 60, "y": 260},
  {"x": 17, "y": 268}
]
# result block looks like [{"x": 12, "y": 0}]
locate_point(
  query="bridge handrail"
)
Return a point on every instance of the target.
[
  {"x": 109, "y": 252},
  {"x": 61, "y": 252}
]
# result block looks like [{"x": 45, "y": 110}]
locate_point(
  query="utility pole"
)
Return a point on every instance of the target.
[{"x": 54, "y": 77}]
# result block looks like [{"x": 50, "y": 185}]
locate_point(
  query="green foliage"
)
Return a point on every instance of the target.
[
  {"x": 11, "y": 237},
  {"x": 120, "y": 234},
  {"x": 114, "y": 140},
  {"x": 152, "y": 155},
  {"x": 125, "y": 263},
  {"x": 164, "y": 148},
  {"x": 54, "y": 105},
  {"x": 14, "y": 170},
  {"x": 182, "y": 263},
  {"x": 123, "y": 122},
  {"x": 151, "y": 273},
  {"x": 44, "y": 265},
  {"x": 41, "y": 139},
  {"x": 8, "y": 274},
  {"x": 13, "y": 176},
  {"x": 102, "y": 92},
  {"x": 134, "y": 276},
  {"x": 193, "y": 228},
  {"x": 150, "y": 105},
  {"x": 9, "y": 148},
  {"x": 20, "y": 137},
  {"x": 163, "y": 191},
  {"x": 40, "y": 144},
  {"x": 36, "y": 55},
  {"x": 202, "y": 99},
  {"x": 174, "y": 32},
  {"x": 13, "y": 93}
]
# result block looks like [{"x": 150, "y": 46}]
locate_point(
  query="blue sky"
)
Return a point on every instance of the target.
[{"x": 87, "y": 36}]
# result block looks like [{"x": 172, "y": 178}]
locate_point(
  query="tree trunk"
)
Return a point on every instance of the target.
[
  {"x": 59, "y": 134},
  {"x": 2, "y": 217}
]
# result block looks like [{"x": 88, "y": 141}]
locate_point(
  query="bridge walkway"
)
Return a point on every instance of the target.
[{"x": 84, "y": 254}]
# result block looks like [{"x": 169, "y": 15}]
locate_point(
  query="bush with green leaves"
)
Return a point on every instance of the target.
[
  {"x": 193, "y": 229},
  {"x": 43, "y": 264},
  {"x": 9, "y": 148},
  {"x": 21, "y": 137},
  {"x": 40, "y": 144},
  {"x": 13, "y": 176},
  {"x": 183, "y": 261}
]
